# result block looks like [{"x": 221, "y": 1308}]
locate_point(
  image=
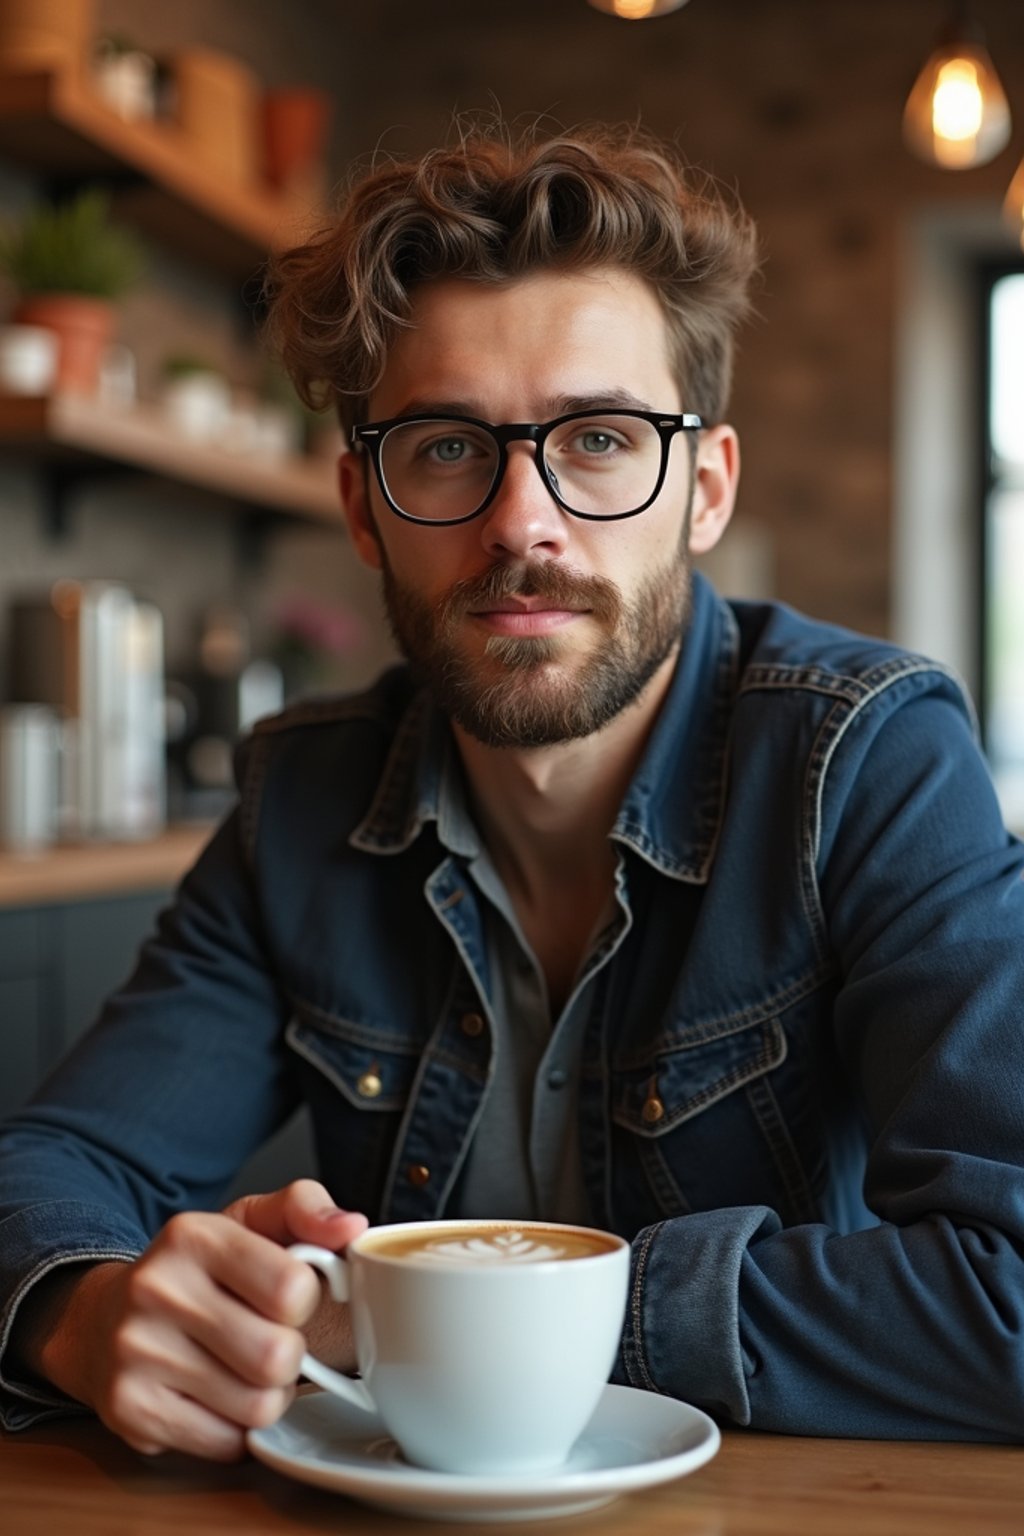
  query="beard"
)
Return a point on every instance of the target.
[{"x": 536, "y": 691}]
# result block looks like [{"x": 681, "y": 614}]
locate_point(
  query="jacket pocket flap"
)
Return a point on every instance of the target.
[
  {"x": 373, "y": 1070},
  {"x": 652, "y": 1097}
]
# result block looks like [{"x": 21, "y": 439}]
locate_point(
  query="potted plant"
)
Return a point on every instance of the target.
[
  {"x": 195, "y": 396},
  {"x": 70, "y": 263}
]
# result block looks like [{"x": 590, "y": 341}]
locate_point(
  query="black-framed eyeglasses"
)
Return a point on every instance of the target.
[{"x": 600, "y": 465}]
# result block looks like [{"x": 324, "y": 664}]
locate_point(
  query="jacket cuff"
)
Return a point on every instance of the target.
[
  {"x": 682, "y": 1333},
  {"x": 53, "y": 1234}
]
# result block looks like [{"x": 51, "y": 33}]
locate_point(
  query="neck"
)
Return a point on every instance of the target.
[{"x": 545, "y": 812}]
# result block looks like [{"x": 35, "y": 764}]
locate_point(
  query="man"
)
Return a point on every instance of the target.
[{"x": 620, "y": 903}]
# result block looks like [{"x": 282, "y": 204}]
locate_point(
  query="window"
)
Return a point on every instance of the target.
[{"x": 1002, "y": 604}]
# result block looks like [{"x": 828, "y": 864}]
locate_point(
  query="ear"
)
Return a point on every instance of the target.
[
  {"x": 717, "y": 472},
  {"x": 353, "y": 482}
]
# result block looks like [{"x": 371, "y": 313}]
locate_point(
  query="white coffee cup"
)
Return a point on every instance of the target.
[{"x": 483, "y": 1346}]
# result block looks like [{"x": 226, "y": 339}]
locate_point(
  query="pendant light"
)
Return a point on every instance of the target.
[
  {"x": 1013, "y": 207},
  {"x": 957, "y": 115},
  {"x": 637, "y": 10}
]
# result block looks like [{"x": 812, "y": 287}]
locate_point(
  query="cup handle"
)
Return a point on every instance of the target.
[{"x": 334, "y": 1270}]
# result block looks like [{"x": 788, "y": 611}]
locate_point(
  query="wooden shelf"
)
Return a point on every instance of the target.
[
  {"x": 55, "y": 125},
  {"x": 72, "y": 430},
  {"x": 100, "y": 869}
]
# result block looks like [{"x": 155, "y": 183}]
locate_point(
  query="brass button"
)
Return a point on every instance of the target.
[
  {"x": 653, "y": 1110},
  {"x": 370, "y": 1085},
  {"x": 472, "y": 1025},
  {"x": 418, "y": 1174}
]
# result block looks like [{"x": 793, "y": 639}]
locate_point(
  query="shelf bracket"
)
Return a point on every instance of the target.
[
  {"x": 59, "y": 482},
  {"x": 253, "y": 527}
]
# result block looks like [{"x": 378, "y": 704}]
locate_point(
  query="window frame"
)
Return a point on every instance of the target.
[{"x": 989, "y": 274}]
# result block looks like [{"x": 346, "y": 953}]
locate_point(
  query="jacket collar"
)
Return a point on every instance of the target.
[{"x": 671, "y": 812}]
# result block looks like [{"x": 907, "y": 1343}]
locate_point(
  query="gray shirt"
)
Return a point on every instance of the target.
[{"x": 524, "y": 1161}]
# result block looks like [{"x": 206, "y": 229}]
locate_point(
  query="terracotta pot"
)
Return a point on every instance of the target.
[
  {"x": 295, "y": 125},
  {"x": 45, "y": 34},
  {"x": 84, "y": 327}
]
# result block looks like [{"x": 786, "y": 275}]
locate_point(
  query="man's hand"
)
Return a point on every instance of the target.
[{"x": 201, "y": 1337}]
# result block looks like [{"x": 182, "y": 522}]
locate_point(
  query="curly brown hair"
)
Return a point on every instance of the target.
[{"x": 493, "y": 208}]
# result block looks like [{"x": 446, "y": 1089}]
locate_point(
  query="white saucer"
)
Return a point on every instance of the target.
[{"x": 635, "y": 1439}]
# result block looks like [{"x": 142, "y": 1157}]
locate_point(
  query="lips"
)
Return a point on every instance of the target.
[
  {"x": 527, "y": 598},
  {"x": 540, "y": 619},
  {"x": 525, "y": 605}
]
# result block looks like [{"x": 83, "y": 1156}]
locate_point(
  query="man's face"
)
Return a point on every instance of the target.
[{"x": 531, "y": 626}]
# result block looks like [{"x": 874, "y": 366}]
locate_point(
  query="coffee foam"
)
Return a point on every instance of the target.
[{"x": 499, "y": 1246}]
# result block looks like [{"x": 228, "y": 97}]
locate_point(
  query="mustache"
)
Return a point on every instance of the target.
[{"x": 560, "y": 584}]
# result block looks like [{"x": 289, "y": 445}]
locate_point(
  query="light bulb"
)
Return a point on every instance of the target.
[
  {"x": 957, "y": 115},
  {"x": 1013, "y": 207},
  {"x": 637, "y": 10}
]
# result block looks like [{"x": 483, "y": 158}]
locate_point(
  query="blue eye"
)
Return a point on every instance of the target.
[{"x": 450, "y": 449}]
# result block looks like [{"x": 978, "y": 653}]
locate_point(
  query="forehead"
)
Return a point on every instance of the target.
[{"x": 512, "y": 350}]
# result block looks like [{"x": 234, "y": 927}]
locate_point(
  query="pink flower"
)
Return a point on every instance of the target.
[{"x": 304, "y": 624}]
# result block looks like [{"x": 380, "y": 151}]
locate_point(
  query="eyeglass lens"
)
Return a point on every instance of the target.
[{"x": 603, "y": 465}]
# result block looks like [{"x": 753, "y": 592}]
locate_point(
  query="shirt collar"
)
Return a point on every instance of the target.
[{"x": 671, "y": 811}]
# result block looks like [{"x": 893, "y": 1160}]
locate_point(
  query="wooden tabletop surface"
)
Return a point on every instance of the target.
[{"x": 72, "y": 1478}]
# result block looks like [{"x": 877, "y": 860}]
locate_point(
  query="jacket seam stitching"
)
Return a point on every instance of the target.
[
  {"x": 637, "y": 1309},
  {"x": 731, "y": 1023},
  {"x": 915, "y": 669}
]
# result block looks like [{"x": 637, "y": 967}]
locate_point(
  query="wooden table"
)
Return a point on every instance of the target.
[{"x": 74, "y": 1479}]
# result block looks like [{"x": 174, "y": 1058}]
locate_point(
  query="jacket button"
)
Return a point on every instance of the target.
[
  {"x": 418, "y": 1174},
  {"x": 472, "y": 1025},
  {"x": 653, "y": 1110},
  {"x": 369, "y": 1085}
]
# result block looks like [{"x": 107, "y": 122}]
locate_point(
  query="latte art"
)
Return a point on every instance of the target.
[
  {"x": 487, "y": 1244},
  {"x": 496, "y": 1248}
]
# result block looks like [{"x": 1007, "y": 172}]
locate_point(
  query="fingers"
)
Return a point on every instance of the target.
[
  {"x": 203, "y": 1342},
  {"x": 199, "y": 1339},
  {"x": 302, "y": 1212},
  {"x": 234, "y": 1314},
  {"x": 167, "y": 1392},
  {"x": 244, "y": 1265}
]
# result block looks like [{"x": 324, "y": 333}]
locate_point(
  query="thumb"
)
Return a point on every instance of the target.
[{"x": 301, "y": 1212}]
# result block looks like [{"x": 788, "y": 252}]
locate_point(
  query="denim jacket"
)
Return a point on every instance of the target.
[{"x": 802, "y": 1089}]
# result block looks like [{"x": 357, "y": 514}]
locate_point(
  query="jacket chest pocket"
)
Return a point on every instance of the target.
[
  {"x": 654, "y": 1096},
  {"x": 699, "y": 1124},
  {"x": 357, "y": 1081}
]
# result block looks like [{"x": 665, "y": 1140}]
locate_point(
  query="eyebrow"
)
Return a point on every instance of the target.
[{"x": 556, "y": 405}]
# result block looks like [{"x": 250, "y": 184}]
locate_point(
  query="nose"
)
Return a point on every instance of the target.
[{"x": 524, "y": 519}]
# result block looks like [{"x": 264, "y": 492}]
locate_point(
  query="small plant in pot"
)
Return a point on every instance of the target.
[
  {"x": 196, "y": 397},
  {"x": 70, "y": 264}
]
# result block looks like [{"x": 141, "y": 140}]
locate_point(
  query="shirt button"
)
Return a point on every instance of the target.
[
  {"x": 369, "y": 1085},
  {"x": 653, "y": 1110},
  {"x": 472, "y": 1025},
  {"x": 418, "y": 1174},
  {"x": 557, "y": 1077}
]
